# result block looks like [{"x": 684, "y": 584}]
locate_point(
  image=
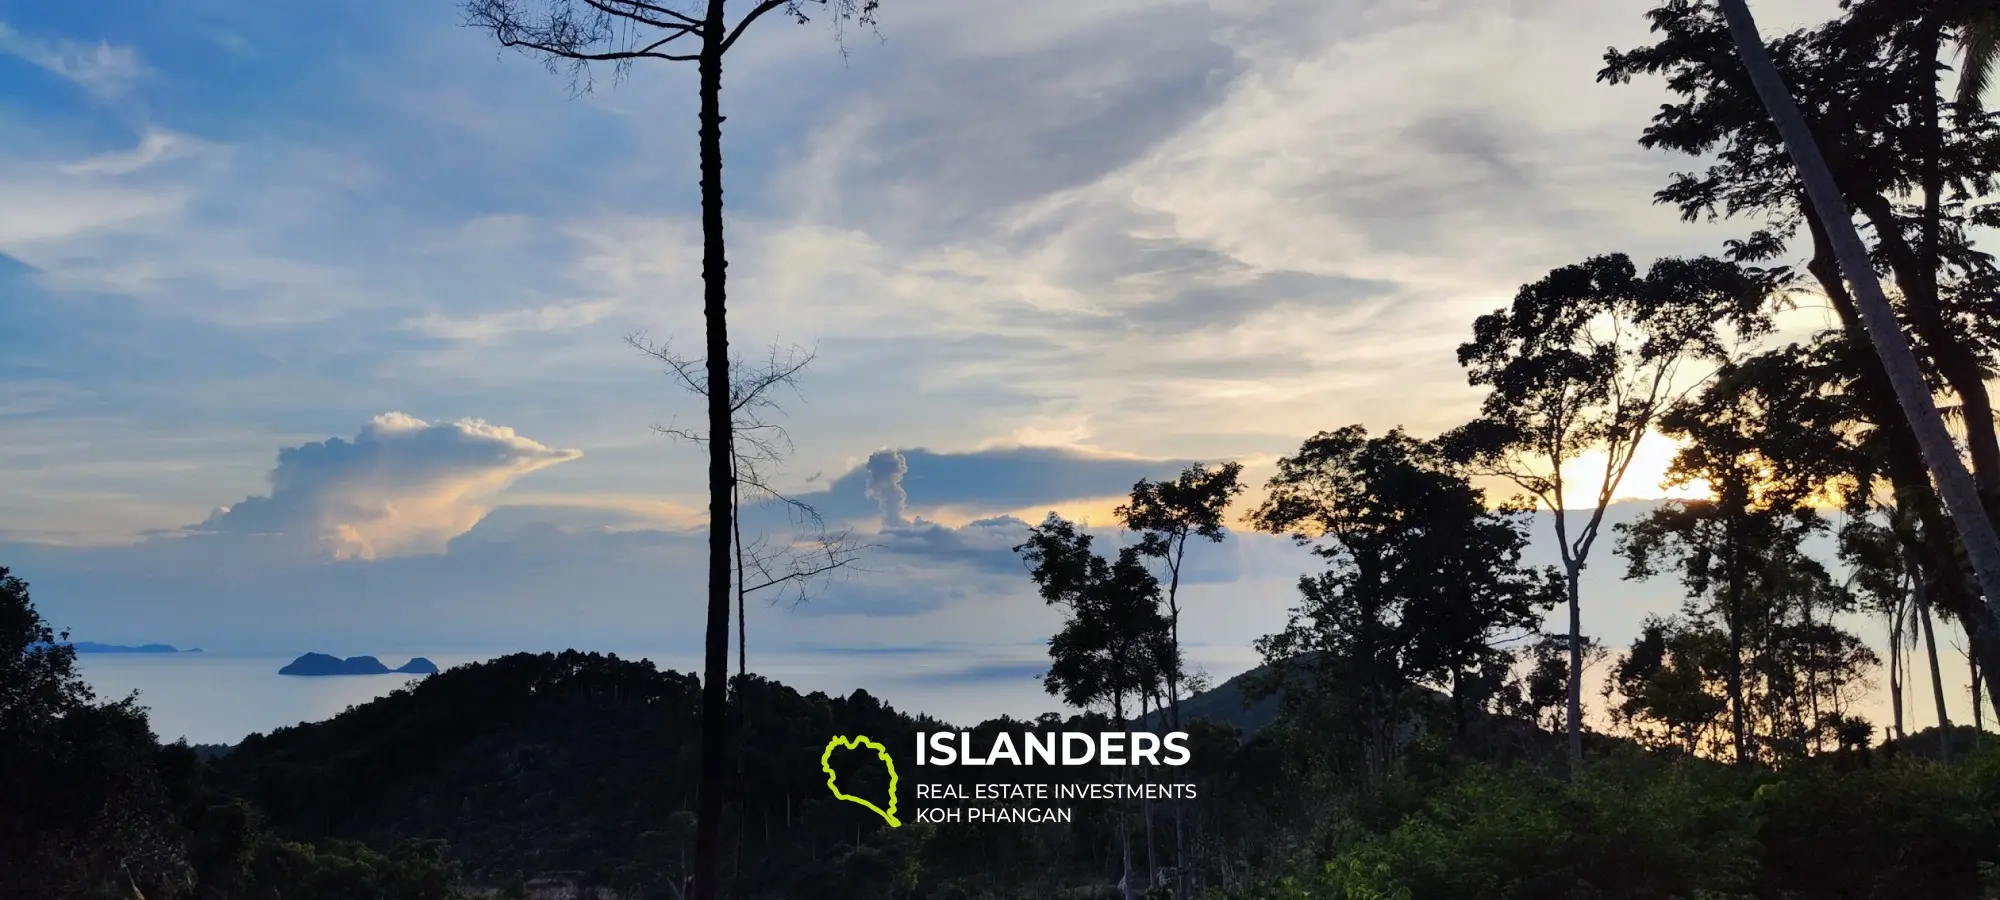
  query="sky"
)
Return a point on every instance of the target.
[{"x": 316, "y": 326}]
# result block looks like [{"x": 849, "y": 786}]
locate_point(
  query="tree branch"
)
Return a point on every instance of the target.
[
  {"x": 758, "y": 13},
  {"x": 679, "y": 17}
]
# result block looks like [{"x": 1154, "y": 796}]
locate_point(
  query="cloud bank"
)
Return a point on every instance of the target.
[{"x": 403, "y": 486}]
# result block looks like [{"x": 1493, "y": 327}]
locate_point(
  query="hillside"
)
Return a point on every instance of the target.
[
  {"x": 584, "y": 763},
  {"x": 1227, "y": 703},
  {"x": 582, "y": 766}
]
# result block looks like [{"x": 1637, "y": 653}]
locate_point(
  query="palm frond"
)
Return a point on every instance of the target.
[{"x": 1979, "y": 47}]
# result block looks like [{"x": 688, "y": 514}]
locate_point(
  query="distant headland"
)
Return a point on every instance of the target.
[
  {"x": 95, "y": 647},
  {"x": 323, "y": 664}
]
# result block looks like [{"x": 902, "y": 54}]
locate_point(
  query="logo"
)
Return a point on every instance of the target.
[{"x": 855, "y": 743}]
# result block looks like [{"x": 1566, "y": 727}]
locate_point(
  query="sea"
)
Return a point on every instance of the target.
[{"x": 221, "y": 697}]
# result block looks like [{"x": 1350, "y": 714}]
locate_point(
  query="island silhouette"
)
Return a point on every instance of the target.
[
  {"x": 316, "y": 664},
  {"x": 95, "y": 647}
]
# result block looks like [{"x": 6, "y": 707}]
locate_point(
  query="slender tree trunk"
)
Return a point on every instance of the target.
[
  {"x": 1459, "y": 717},
  {"x": 736, "y": 537},
  {"x": 1896, "y": 638},
  {"x": 1124, "y": 821},
  {"x": 1937, "y": 676},
  {"x": 1573, "y": 703},
  {"x": 1733, "y": 619},
  {"x": 714, "y": 261},
  {"x": 1814, "y": 666},
  {"x": 1174, "y": 711},
  {"x": 1955, "y": 485},
  {"x": 1146, "y": 803},
  {"x": 1978, "y": 698}
]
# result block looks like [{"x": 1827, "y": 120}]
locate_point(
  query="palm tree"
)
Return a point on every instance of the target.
[
  {"x": 1978, "y": 49},
  {"x": 1940, "y": 453}
]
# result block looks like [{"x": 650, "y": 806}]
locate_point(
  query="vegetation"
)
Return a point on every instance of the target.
[
  {"x": 92, "y": 806},
  {"x": 1413, "y": 732}
]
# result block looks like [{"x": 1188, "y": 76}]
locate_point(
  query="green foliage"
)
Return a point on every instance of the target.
[
  {"x": 1116, "y": 644},
  {"x": 1422, "y": 580},
  {"x": 1914, "y": 830},
  {"x": 92, "y": 806},
  {"x": 1491, "y": 834},
  {"x": 1641, "y": 829}
]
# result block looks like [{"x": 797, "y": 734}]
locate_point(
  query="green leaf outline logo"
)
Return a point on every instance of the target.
[{"x": 855, "y": 743}]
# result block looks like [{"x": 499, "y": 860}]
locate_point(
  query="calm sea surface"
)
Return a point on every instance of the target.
[{"x": 218, "y": 698}]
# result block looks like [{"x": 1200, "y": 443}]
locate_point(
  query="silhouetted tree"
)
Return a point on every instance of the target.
[
  {"x": 577, "y": 33},
  {"x": 1586, "y": 359},
  {"x": 1114, "y": 644},
  {"x": 1861, "y": 133},
  {"x": 1879, "y": 576},
  {"x": 1167, "y": 514},
  {"x": 1422, "y": 581}
]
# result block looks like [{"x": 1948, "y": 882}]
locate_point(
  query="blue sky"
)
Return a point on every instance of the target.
[{"x": 315, "y": 321}]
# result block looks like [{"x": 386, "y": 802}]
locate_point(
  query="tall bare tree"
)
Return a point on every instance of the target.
[
  {"x": 1941, "y": 454},
  {"x": 573, "y": 35}
]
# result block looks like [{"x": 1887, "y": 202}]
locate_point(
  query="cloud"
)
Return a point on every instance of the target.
[
  {"x": 1182, "y": 230},
  {"x": 886, "y": 469},
  {"x": 981, "y": 483},
  {"x": 535, "y": 321},
  {"x": 402, "y": 486},
  {"x": 983, "y": 544},
  {"x": 102, "y": 69},
  {"x": 154, "y": 146}
]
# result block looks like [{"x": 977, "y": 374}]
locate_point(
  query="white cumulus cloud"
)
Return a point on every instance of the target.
[{"x": 402, "y": 487}]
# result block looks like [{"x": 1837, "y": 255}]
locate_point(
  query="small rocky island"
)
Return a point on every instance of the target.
[{"x": 322, "y": 664}]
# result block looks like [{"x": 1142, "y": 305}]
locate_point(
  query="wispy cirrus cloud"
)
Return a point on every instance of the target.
[
  {"x": 155, "y": 145},
  {"x": 105, "y": 70}
]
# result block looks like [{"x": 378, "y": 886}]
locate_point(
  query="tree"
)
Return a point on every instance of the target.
[
  {"x": 1540, "y": 693},
  {"x": 1764, "y": 448},
  {"x": 1878, "y": 573},
  {"x": 1874, "y": 138},
  {"x": 1758, "y": 632},
  {"x": 813, "y": 551},
  {"x": 1586, "y": 359},
  {"x": 1767, "y": 444},
  {"x": 1422, "y": 581},
  {"x": 1167, "y": 514},
  {"x": 1665, "y": 682},
  {"x": 1940, "y": 452},
  {"x": 1978, "y": 49},
  {"x": 1114, "y": 644},
  {"x": 620, "y": 31}
]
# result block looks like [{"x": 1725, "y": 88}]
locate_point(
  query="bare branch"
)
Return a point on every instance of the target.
[
  {"x": 758, "y": 13},
  {"x": 580, "y": 32},
  {"x": 794, "y": 567},
  {"x": 812, "y": 553},
  {"x": 635, "y": 11},
  {"x": 862, "y": 11}
]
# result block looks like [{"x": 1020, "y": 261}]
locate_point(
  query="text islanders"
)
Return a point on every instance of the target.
[{"x": 1055, "y": 748}]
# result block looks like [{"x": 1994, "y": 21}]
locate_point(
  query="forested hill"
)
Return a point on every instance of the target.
[{"x": 585, "y": 763}]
